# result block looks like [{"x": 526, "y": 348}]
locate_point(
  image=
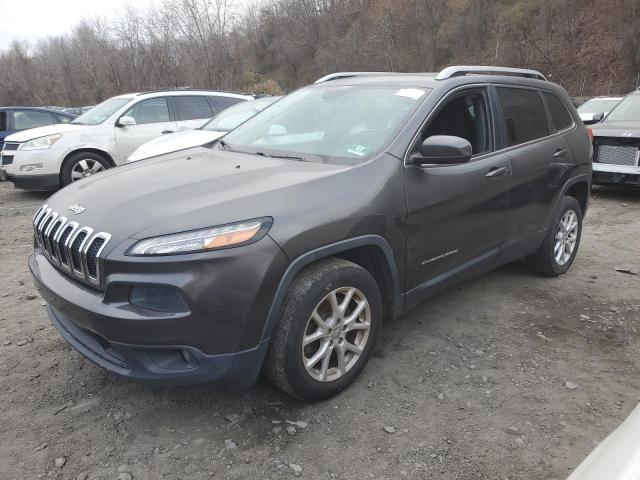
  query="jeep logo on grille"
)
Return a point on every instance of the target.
[{"x": 77, "y": 208}]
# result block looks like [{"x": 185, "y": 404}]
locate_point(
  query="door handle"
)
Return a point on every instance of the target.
[
  {"x": 497, "y": 172},
  {"x": 167, "y": 131},
  {"x": 560, "y": 153}
]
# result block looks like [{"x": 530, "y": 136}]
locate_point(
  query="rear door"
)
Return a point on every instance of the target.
[
  {"x": 191, "y": 111},
  {"x": 538, "y": 157},
  {"x": 152, "y": 120}
]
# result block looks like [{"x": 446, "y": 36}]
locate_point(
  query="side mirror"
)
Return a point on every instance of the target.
[
  {"x": 126, "y": 121},
  {"x": 184, "y": 128},
  {"x": 595, "y": 118},
  {"x": 442, "y": 150},
  {"x": 277, "y": 130}
]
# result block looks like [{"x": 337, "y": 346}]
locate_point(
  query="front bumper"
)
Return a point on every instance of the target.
[
  {"x": 45, "y": 177},
  {"x": 220, "y": 338},
  {"x": 605, "y": 174},
  {"x": 42, "y": 183}
]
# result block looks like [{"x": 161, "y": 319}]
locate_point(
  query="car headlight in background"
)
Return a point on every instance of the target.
[
  {"x": 41, "y": 143},
  {"x": 215, "y": 238}
]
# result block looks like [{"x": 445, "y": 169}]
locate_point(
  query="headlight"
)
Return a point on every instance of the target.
[
  {"x": 41, "y": 143},
  {"x": 233, "y": 235}
]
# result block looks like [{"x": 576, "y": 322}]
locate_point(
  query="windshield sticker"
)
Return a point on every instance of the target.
[
  {"x": 414, "y": 93},
  {"x": 359, "y": 150}
]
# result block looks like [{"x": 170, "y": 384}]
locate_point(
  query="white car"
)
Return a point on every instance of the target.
[
  {"x": 212, "y": 130},
  {"x": 47, "y": 158},
  {"x": 617, "y": 457},
  {"x": 597, "y": 105}
]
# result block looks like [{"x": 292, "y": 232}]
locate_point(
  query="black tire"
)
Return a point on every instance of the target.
[
  {"x": 73, "y": 160},
  {"x": 543, "y": 260},
  {"x": 284, "y": 363}
]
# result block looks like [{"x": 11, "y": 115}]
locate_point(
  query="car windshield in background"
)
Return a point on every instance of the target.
[
  {"x": 598, "y": 106},
  {"x": 230, "y": 118},
  {"x": 628, "y": 110},
  {"x": 101, "y": 112},
  {"x": 337, "y": 124}
]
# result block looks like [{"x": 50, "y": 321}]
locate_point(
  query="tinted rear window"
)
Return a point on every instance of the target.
[
  {"x": 222, "y": 103},
  {"x": 3, "y": 121},
  {"x": 524, "y": 114},
  {"x": 559, "y": 114},
  {"x": 192, "y": 108}
]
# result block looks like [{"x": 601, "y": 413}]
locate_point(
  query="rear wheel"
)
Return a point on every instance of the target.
[
  {"x": 82, "y": 165},
  {"x": 328, "y": 328},
  {"x": 557, "y": 252}
]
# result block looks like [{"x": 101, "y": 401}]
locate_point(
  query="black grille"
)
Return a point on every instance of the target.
[
  {"x": 92, "y": 259},
  {"x": 61, "y": 249},
  {"x": 76, "y": 258},
  {"x": 7, "y": 159}
]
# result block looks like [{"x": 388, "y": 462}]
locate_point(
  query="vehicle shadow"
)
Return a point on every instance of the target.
[{"x": 621, "y": 194}]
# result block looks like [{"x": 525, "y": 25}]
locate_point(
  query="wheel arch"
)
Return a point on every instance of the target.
[
  {"x": 372, "y": 252},
  {"x": 97, "y": 151},
  {"x": 578, "y": 187}
]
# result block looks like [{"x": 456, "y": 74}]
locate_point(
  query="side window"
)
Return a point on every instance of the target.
[
  {"x": 62, "y": 118},
  {"x": 153, "y": 110},
  {"x": 3, "y": 121},
  {"x": 524, "y": 114},
  {"x": 222, "y": 103},
  {"x": 465, "y": 116},
  {"x": 559, "y": 114},
  {"x": 192, "y": 108},
  {"x": 23, "y": 119}
]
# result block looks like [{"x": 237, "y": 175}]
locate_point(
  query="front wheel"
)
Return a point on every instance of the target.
[
  {"x": 557, "y": 252},
  {"x": 328, "y": 328},
  {"x": 82, "y": 165}
]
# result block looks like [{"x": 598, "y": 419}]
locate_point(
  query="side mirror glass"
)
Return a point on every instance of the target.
[
  {"x": 595, "y": 118},
  {"x": 126, "y": 121},
  {"x": 442, "y": 150}
]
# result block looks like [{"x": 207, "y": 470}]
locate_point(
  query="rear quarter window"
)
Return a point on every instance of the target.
[
  {"x": 524, "y": 115},
  {"x": 559, "y": 114}
]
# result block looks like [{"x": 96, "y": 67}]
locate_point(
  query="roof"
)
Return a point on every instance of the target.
[
  {"x": 187, "y": 92},
  {"x": 42, "y": 109}
]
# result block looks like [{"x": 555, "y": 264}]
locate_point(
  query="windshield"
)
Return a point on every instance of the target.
[
  {"x": 340, "y": 124},
  {"x": 230, "y": 118},
  {"x": 598, "y": 106},
  {"x": 628, "y": 110},
  {"x": 101, "y": 112}
]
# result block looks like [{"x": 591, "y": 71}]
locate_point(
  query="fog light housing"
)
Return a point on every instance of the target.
[
  {"x": 158, "y": 298},
  {"x": 31, "y": 167}
]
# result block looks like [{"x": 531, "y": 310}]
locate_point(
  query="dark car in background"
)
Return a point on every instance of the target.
[
  {"x": 616, "y": 141},
  {"x": 15, "y": 119}
]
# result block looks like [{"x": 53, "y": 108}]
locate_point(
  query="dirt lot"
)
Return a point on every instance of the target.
[{"x": 474, "y": 383}]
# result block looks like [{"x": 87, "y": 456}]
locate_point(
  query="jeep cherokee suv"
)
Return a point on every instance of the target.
[{"x": 283, "y": 246}]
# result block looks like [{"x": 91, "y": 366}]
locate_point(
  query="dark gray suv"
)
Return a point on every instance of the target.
[{"x": 283, "y": 246}]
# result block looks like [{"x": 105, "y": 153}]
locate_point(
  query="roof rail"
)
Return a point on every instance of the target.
[
  {"x": 341, "y": 75},
  {"x": 460, "y": 70}
]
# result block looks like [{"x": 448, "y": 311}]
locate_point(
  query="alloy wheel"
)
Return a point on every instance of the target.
[
  {"x": 85, "y": 168},
  {"x": 566, "y": 237},
  {"x": 336, "y": 334}
]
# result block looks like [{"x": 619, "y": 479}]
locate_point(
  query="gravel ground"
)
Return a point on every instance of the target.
[{"x": 509, "y": 376}]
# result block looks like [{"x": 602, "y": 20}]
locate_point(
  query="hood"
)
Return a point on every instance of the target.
[
  {"x": 617, "y": 129},
  {"x": 173, "y": 143},
  {"x": 180, "y": 192},
  {"x": 26, "y": 135}
]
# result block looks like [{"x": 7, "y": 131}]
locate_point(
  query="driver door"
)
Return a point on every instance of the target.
[
  {"x": 152, "y": 119},
  {"x": 456, "y": 213}
]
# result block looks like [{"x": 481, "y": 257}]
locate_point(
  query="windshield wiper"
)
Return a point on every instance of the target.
[
  {"x": 289, "y": 157},
  {"x": 224, "y": 144},
  {"x": 77, "y": 123}
]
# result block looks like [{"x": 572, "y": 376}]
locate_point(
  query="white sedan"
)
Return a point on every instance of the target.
[{"x": 212, "y": 130}]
